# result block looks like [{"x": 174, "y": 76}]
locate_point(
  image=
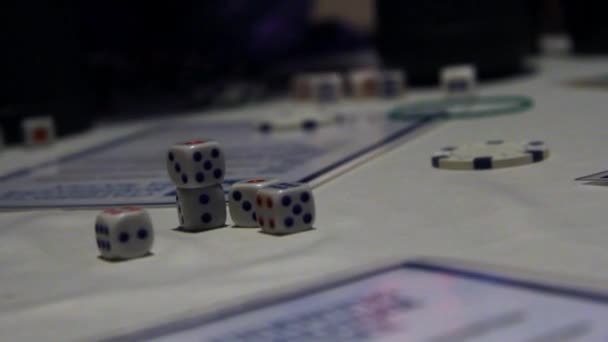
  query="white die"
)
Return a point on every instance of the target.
[
  {"x": 380, "y": 83},
  {"x": 124, "y": 233},
  {"x": 392, "y": 84},
  {"x": 196, "y": 164},
  {"x": 327, "y": 87},
  {"x": 241, "y": 200},
  {"x": 38, "y": 130},
  {"x": 364, "y": 82},
  {"x": 302, "y": 87},
  {"x": 459, "y": 80},
  {"x": 202, "y": 208},
  {"x": 284, "y": 208}
]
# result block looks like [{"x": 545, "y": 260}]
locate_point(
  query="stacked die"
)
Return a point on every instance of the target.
[{"x": 197, "y": 168}]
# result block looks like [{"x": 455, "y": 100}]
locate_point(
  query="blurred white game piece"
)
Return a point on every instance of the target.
[
  {"x": 241, "y": 200},
  {"x": 124, "y": 233},
  {"x": 38, "y": 130},
  {"x": 368, "y": 83},
  {"x": 459, "y": 80}
]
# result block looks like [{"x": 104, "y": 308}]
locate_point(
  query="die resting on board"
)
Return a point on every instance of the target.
[
  {"x": 285, "y": 208},
  {"x": 241, "y": 200},
  {"x": 124, "y": 233}
]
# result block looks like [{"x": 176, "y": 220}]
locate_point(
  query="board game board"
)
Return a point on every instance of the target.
[{"x": 131, "y": 169}]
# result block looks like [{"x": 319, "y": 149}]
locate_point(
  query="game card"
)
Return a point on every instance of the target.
[{"x": 415, "y": 301}]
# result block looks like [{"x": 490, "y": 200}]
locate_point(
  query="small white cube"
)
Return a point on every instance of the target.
[
  {"x": 302, "y": 87},
  {"x": 38, "y": 130},
  {"x": 327, "y": 87},
  {"x": 392, "y": 83},
  {"x": 196, "y": 164},
  {"x": 201, "y": 208},
  {"x": 241, "y": 200},
  {"x": 365, "y": 83},
  {"x": 377, "y": 83},
  {"x": 124, "y": 233},
  {"x": 285, "y": 208},
  {"x": 459, "y": 80},
  {"x": 323, "y": 87}
]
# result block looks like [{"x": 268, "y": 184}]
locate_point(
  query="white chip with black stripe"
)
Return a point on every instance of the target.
[{"x": 491, "y": 154}]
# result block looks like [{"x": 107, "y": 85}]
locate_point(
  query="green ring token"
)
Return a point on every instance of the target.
[{"x": 463, "y": 108}]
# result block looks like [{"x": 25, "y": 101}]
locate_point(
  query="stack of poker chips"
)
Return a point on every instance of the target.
[{"x": 197, "y": 169}]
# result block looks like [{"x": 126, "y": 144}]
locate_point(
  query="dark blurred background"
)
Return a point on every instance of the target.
[{"x": 77, "y": 60}]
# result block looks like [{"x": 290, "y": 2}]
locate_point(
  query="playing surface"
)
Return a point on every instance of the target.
[
  {"x": 395, "y": 206},
  {"x": 130, "y": 168}
]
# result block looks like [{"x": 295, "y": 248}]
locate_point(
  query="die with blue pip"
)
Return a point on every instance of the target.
[
  {"x": 196, "y": 164},
  {"x": 241, "y": 200},
  {"x": 285, "y": 208},
  {"x": 197, "y": 168},
  {"x": 124, "y": 233}
]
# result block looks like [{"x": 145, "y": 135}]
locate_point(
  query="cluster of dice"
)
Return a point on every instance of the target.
[
  {"x": 197, "y": 168},
  {"x": 332, "y": 86},
  {"x": 455, "y": 80}
]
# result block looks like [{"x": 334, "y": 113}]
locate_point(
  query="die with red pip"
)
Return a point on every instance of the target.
[
  {"x": 124, "y": 233},
  {"x": 285, "y": 208},
  {"x": 196, "y": 164}
]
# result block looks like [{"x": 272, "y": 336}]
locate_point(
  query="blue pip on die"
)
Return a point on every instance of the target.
[
  {"x": 196, "y": 164},
  {"x": 285, "y": 208},
  {"x": 124, "y": 233}
]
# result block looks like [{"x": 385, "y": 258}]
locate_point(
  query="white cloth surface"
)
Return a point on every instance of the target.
[{"x": 53, "y": 287}]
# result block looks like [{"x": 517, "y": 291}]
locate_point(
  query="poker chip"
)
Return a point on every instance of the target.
[{"x": 491, "y": 154}]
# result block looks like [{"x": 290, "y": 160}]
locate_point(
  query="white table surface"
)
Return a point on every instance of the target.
[{"x": 53, "y": 287}]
